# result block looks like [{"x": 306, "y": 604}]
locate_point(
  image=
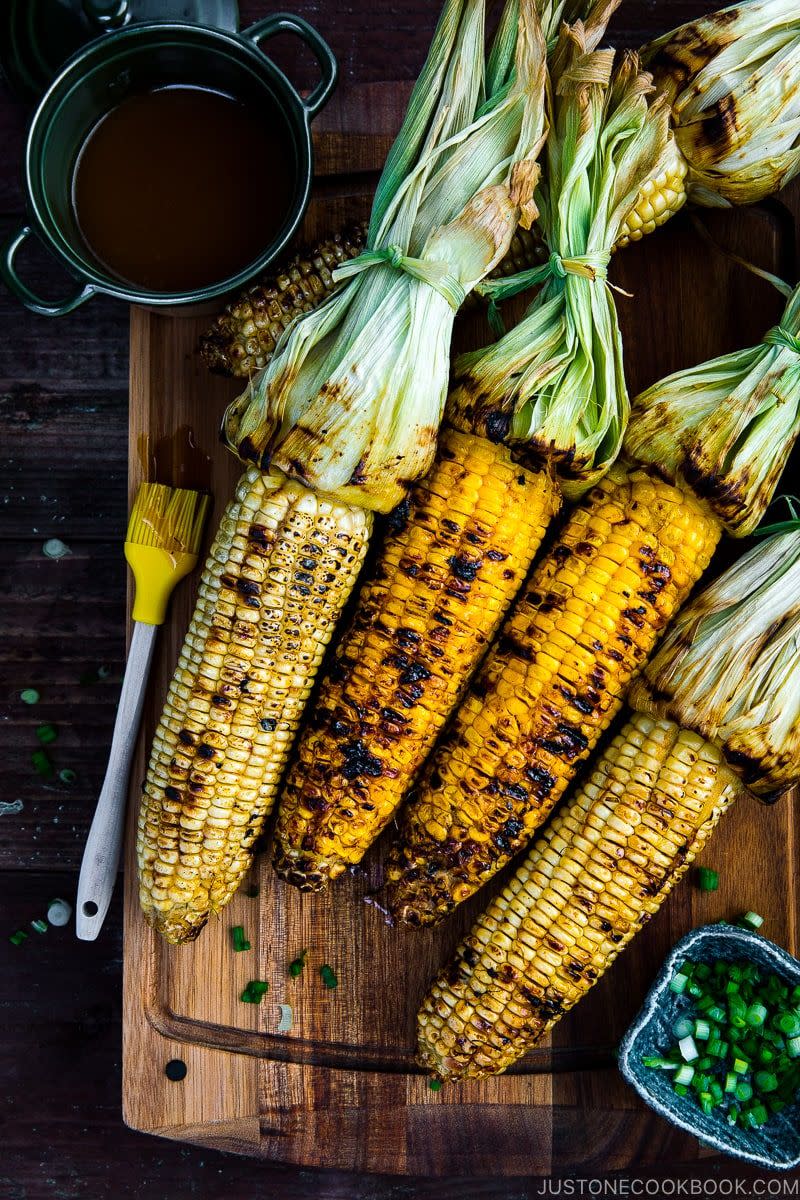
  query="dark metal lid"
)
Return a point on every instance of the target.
[{"x": 38, "y": 36}]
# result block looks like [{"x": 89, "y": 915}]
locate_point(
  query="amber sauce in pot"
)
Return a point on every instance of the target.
[{"x": 181, "y": 187}]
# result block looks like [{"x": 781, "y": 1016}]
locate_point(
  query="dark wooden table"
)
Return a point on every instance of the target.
[{"x": 63, "y": 423}]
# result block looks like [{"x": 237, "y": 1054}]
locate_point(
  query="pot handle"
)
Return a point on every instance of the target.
[
  {"x": 289, "y": 23},
  {"x": 8, "y": 271}
]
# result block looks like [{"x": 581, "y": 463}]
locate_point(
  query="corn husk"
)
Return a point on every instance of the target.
[
  {"x": 351, "y": 402},
  {"x": 733, "y": 82},
  {"x": 730, "y": 664},
  {"x": 554, "y": 386},
  {"x": 727, "y": 427}
]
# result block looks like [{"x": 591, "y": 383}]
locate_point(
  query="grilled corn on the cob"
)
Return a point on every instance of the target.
[
  {"x": 279, "y": 571},
  {"x": 444, "y": 579},
  {"x": 243, "y": 337},
  {"x": 585, "y": 623},
  {"x": 727, "y": 673},
  {"x": 599, "y": 871}
]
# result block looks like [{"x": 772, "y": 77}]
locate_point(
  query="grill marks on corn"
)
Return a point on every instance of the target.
[
  {"x": 243, "y": 337},
  {"x": 600, "y": 870},
  {"x": 447, "y": 571},
  {"x": 279, "y": 571},
  {"x": 587, "y": 620}
]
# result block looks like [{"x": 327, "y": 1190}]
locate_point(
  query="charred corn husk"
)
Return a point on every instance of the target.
[
  {"x": 554, "y": 387},
  {"x": 279, "y": 571},
  {"x": 732, "y": 80},
  {"x": 599, "y": 871},
  {"x": 452, "y": 561},
  {"x": 728, "y": 667},
  {"x": 586, "y": 621},
  {"x": 727, "y": 427},
  {"x": 728, "y": 672},
  {"x": 351, "y": 401}
]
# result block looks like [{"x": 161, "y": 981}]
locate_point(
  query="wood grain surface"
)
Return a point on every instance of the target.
[{"x": 63, "y": 471}]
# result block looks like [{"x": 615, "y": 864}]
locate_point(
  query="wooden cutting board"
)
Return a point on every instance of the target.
[{"x": 341, "y": 1089}]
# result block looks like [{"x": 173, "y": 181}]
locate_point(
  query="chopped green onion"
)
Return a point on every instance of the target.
[
  {"x": 766, "y": 1082},
  {"x": 18, "y": 938},
  {"x": 658, "y": 1063},
  {"x": 793, "y": 1047},
  {"x": 689, "y": 1051},
  {"x": 297, "y": 964},
  {"x": 756, "y": 1015},
  {"x": 29, "y": 696},
  {"x": 67, "y": 775},
  {"x": 240, "y": 942},
  {"x": 731, "y": 1082},
  {"x": 684, "y": 1074},
  {"x": 435, "y": 1085},
  {"x": 328, "y": 976},
  {"x": 743, "y": 1092},
  {"x": 683, "y": 1027},
  {"x": 55, "y": 548},
  {"x": 255, "y": 991},
  {"x": 46, "y": 734},
  {"x": 39, "y": 925},
  {"x": 702, "y": 1030},
  {"x": 789, "y": 1023},
  {"x": 740, "y": 1066},
  {"x": 678, "y": 983},
  {"x": 751, "y": 920},
  {"x": 707, "y": 880},
  {"x": 42, "y": 764}
]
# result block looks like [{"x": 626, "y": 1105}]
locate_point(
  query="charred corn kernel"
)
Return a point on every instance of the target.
[
  {"x": 243, "y": 337},
  {"x": 599, "y": 871},
  {"x": 659, "y": 198},
  {"x": 585, "y": 623},
  {"x": 445, "y": 576},
  {"x": 280, "y": 569}
]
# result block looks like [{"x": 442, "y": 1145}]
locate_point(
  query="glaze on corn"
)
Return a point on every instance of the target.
[
  {"x": 595, "y": 876},
  {"x": 449, "y": 567},
  {"x": 585, "y": 623},
  {"x": 278, "y": 574}
]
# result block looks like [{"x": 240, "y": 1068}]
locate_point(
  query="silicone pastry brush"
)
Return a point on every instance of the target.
[{"x": 161, "y": 546}]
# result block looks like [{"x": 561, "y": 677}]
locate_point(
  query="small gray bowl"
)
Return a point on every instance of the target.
[{"x": 776, "y": 1145}]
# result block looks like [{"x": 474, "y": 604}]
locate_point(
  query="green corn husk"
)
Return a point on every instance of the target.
[
  {"x": 554, "y": 386},
  {"x": 729, "y": 665},
  {"x": 351, "y": 402},
  {"x": 733, "y": 82},
  {"x": 726, "y": 428}
]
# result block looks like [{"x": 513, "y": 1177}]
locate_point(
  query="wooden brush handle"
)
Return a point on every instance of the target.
[{"x": 101, "y": 856}]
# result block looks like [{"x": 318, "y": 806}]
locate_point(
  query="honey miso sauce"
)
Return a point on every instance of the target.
[{"x": 181, "y": 187}]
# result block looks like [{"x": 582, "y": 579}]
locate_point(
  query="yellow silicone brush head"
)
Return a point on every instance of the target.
[{"x": 162, "y": 543}]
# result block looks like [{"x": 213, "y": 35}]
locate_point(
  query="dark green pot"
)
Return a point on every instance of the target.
[{"x": 138, "y": 57}]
